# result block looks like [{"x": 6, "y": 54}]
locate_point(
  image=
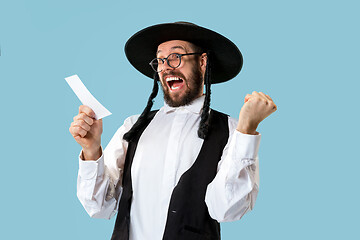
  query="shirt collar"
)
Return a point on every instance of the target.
[{"x": 194, "y": 107}]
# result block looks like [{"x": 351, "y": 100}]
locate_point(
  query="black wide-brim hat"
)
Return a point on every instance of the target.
[{"x": 226, "y": 58}]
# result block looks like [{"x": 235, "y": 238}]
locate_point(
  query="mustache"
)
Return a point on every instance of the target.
[{"x": 180, "y": 75}]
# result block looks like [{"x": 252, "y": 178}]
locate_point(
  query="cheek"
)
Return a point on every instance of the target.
[
  {"x": 163, "y": 84},
  {"x": 161, "y": 78}
]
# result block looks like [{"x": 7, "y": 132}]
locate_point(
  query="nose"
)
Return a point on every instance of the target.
[
  {"x": 166, "y": 66},
  {"x": 166, "y": 69}
]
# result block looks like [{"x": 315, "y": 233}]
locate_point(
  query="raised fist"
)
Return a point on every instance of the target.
[{"x": 257, "y": 106}]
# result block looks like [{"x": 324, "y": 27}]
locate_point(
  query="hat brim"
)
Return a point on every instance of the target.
[{"x": 226, "y": 60}]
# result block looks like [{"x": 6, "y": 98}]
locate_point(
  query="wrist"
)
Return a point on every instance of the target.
[
  {"x": 91, "y": 154},
  {"x": 247, "y": 128}
]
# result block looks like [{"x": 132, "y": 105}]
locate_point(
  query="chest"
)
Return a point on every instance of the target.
[{"x": 167, "y": 148}]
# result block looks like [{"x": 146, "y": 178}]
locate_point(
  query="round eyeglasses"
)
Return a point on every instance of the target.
[{"x": 173, "y": 60}]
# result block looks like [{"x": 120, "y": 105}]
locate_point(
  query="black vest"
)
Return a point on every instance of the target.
[{"x": 188, "y": 217}]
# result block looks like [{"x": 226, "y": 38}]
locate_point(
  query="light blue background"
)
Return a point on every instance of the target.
[{"x": 305, "y": 54}]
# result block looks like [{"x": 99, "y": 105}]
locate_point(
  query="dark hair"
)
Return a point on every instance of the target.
[
  {"x": 141, "y": 120},
  {"x": 204, "y": 122}
]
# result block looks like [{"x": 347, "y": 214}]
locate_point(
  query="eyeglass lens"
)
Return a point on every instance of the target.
[{"x": 173, "y": 60}]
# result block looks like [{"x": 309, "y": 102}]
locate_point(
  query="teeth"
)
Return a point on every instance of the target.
[
  {"x": 174, "y": 88},
  {"x": 172, "y": 79}
]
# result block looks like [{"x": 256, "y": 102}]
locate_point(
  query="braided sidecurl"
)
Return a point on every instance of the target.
[
  {"x": 141, "y": 120},
  {"x": 204, "y": 122}
]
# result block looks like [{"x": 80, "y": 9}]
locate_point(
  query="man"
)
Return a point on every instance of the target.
[{"x": 177, "y": 172}]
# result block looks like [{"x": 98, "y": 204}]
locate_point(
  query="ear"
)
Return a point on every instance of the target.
[{"x": 203, "y": 61}]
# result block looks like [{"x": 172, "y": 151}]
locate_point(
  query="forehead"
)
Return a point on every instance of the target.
[{"x": 172, "y": 45}]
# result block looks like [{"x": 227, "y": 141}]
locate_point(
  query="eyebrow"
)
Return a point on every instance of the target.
[{"x": 174, "y": 47}]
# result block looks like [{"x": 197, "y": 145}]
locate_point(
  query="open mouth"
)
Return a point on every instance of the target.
[{"x": 175, "y": 83}]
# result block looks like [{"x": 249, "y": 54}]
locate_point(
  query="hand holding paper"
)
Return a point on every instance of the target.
[
  {"x": 87, "y": 125},
  {"x": 86, "y": 97}
]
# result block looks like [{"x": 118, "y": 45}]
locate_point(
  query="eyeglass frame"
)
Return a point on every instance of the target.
[{"x": 179, "y": 55}]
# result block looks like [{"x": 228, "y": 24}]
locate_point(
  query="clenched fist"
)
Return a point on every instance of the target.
[
  {"x": 256, "y": 108},
  {"x": 87, "y": 131}
]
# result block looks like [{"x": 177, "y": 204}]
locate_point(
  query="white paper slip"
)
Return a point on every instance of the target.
[{"x": 86, "y": 97}]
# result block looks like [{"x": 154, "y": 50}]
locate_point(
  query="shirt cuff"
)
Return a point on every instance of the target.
[
  {"x": 246, "y": 146},
  {"x": 90, "y": 169}
]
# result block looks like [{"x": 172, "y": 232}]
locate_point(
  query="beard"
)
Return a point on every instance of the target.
[{"x": 193, "y": 86}]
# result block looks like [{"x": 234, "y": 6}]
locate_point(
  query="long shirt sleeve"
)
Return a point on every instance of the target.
[
  {"x": 99, "y": 182},
  {"x": 234, "y": 189}
]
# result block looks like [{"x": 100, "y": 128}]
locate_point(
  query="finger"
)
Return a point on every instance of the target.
[
  {"x": 77, "y": 130},
  {"x": 84, "y": 117},
  {"x": 263, "y": 96},
  {"x": 74, "y": 133},
  {"x": 258, "y": 97},
  {"x": 247, "y": 97},
  {"x": 269, "y": 97},
  {"x": 88, "y": 111},
  {"x": 77, "y": 138},
  {"x": 256, "y": 94},
  {"x": 274, "y": 107},
  {"x": 81, "y": 123},
  {"x": 71, "y": 130}
]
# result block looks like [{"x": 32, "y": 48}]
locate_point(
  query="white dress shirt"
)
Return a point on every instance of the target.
[{"x": 167, "y": 148}]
